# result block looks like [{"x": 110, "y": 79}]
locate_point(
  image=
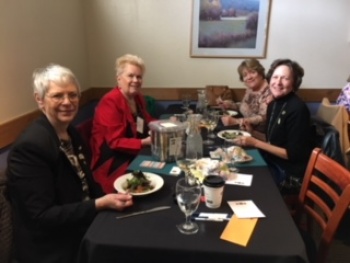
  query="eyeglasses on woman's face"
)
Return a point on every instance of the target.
[{"x": 59, "y": 97}]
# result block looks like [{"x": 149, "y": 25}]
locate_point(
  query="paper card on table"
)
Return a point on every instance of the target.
[
  {"x": 245, "y": 209},
  {"x": 240, "y": 179},
  {"x": 239, "y": 230}
]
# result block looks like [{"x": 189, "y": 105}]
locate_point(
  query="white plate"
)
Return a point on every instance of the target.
[
  {"x": 244, "y": 133},
  {"x": 232, "y": 112},
  {"x": 156, "y": 181}
]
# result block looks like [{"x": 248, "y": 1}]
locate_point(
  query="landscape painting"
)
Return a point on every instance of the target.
[{"x": 230, "y": 28}]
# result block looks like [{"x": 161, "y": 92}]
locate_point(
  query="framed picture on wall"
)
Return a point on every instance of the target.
[{"x": 230, "y": 28}]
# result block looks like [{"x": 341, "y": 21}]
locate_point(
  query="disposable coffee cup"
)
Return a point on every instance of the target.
[{"x": 213, "y": 190}]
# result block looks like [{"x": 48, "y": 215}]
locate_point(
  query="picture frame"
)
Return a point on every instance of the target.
[{"x": 230, "y": 28}]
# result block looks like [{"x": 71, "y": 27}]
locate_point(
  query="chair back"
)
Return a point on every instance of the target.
[
  {"x": 215, "y": 91},
  {"x": 324, "y": 197},
  {"x": 337, "y": 116}
]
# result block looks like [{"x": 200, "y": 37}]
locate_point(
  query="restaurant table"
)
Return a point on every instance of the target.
[{"x": 154, "y": 237}]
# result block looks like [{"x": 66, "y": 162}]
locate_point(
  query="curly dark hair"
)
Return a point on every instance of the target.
[
  {"x": 250, "y": 64},
  {"x": 297, "y": 71}
]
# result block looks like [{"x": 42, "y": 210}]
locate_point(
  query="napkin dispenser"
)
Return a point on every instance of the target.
[{"x": 165, "y": 136}]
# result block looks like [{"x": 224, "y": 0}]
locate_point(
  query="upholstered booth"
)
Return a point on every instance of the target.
[{"x": 5, "y": 223}]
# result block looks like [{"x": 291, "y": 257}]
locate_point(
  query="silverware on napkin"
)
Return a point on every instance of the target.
[{"x": 159, "y": 208}]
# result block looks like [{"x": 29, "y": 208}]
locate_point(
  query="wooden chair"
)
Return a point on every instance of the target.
[
  {"x": 215, "y": 91},
  {"x": 324, "y": 198}
]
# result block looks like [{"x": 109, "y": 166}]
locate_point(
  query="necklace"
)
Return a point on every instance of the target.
[{"x": 271, "y": 126}]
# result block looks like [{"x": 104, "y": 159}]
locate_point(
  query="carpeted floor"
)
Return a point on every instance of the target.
[{"x": 340, "y": 247}]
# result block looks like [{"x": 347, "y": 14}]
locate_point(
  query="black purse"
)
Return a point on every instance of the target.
[{"x": 290, "y": 186}]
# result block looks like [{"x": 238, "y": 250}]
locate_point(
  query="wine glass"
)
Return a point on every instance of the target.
[
  {"x": 213, "y": 122},
  {"x": 206, "y": 123},
  {"x": 188, "y": 194},
  {"x": 186, "y": 159},
  {"x": 186, "y": 101},
  {"x": 228, "y": 157}
]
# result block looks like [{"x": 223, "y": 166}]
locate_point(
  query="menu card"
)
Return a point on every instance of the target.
[
  {"x": 245, "y": 209},
  {"x": 240, "y": 179}
]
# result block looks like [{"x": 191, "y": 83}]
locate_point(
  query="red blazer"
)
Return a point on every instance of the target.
[{"x": 115, "y": 140}]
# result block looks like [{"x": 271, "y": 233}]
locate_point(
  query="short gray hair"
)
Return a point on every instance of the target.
[
  {"x": 52, "y": 73},
  {"x": 128, "y": 59}
]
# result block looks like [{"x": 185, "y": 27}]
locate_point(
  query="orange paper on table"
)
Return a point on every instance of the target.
[{"x": 239, "y": 230}]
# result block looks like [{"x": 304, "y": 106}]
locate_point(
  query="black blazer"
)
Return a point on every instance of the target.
[{"x": 50, "y": 217}]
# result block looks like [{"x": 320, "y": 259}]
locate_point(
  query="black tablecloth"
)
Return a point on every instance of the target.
[{"x": 155, "y": 238}]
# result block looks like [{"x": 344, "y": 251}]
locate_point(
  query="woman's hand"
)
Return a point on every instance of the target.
[
  {"x": 246, "y": 141},
  {"x": 226, "y": 104},
  {"x": 228, "y": 120},
  {"x": 146, "y": 141},
  {"x": 246, "y": 126},
  {"x": 114, "y": 202}
]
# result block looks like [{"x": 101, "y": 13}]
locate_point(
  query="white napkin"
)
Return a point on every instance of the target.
[
  {"x": 239, "y": 179},
  {"x": 245, "y": 209}
]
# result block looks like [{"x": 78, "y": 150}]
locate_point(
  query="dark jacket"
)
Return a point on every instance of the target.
[
  {"x": 289, "y": 127},
  {"x": 50, "y": 217},
  {"x": 327, "y": 138}
]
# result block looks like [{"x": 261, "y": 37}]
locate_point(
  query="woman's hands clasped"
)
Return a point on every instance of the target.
[{"x": 114, "y": 201}]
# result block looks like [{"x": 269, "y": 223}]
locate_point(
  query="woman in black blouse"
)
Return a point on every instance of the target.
[
  {"x": 52, "y": 192},
  {"x": 289, "y": 139}
]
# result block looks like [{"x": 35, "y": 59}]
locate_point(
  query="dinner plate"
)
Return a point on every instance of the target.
[
  {"x": 237, "y": 132},
  {"x": 156, "y": 181}
]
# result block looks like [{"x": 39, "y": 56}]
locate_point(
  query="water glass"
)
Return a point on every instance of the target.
[{"x": 188, "y": 193}]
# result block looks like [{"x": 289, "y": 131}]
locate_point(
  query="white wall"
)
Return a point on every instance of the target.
[
  {"x": 316, "y": 33},
  {"x": 34, "y": 33}
]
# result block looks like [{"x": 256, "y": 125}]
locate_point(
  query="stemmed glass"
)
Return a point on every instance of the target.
[
  {"x": 188, "y": 194},
  {"x": 186, "y": 159},
  {"x": 206, "y": 122},
  {"x": 213, "y": 122},
  {"x": 186, "y": 101},
  {"x": 227, "y": 148}
]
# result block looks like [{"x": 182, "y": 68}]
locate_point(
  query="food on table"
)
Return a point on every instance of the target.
[
  {"x": 138, "y": 183},
  {"x": 230, "y": 135}
]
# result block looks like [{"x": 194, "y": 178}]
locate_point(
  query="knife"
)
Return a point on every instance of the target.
[{"x": 155, "y": 209}]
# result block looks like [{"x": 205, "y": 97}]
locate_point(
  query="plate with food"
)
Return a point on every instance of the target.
[
  {"x": 138, "y": 183},
  {"x": 232, "y": 134}
]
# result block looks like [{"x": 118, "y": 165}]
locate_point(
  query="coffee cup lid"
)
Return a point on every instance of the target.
[{"x": 213, "y": 181}]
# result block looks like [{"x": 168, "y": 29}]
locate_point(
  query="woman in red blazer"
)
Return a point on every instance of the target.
[{"x": 120, "y": 125}]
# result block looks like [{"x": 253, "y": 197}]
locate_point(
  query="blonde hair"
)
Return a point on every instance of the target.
[{"x": 128, "y": 59}]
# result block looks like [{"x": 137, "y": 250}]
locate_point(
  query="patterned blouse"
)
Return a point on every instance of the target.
[
  {"x": 344, "y": 97},
  {"x": 254, "y": 105}
]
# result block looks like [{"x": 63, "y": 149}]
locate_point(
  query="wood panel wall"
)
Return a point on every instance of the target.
[{"x": 10, "y": 130}]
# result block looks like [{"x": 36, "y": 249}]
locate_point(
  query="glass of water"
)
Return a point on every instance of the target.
[{"x": 188, "y": 193}]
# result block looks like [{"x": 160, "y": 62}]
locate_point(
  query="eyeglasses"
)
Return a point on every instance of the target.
[{"x": 60, "y": 97}]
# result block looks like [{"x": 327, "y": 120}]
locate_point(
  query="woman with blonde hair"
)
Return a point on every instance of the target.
[{"x": 120, "y": 125}]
